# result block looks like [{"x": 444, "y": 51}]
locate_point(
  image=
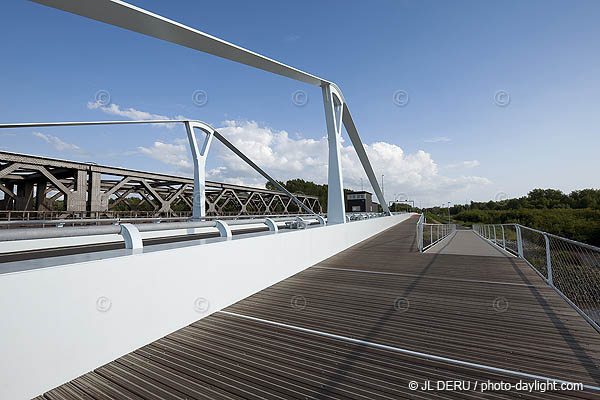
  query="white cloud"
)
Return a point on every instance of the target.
[
  {"x": 131, "y": 113},
  {"x": 413, "y": 175},
  {"x": 465, "y": 164},
  {"x": 57, "y": 143},
  {"x": 438, "y": 139},
  {"x": 286, "y": 158},
  {"x": 173, "y": 154}
]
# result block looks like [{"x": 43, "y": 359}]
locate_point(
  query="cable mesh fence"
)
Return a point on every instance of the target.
[
  {"x": 510, "y": 238},
  {"x": 573, "y": 268},
  {"x": 576, "y": 273},
  {"x": 534, "y": 249}
]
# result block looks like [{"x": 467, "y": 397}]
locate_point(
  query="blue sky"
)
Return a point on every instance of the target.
[{"x": 451, "y": 142}]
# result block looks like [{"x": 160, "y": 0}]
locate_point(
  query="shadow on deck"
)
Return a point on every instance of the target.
[{"x": 464, "y": 300}]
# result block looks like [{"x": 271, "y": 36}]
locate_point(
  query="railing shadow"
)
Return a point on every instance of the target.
[
  {"x": 579, "y": 352},
  {"x": 347, "y": 365}
]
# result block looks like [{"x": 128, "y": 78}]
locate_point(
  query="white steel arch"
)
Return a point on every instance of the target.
[{"x": 127, "y": 16}]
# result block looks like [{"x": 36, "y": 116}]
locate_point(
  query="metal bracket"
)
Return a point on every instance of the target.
[
  {"x": 272, "y": 225},
  {"x": 321, "y": 220},
  {"x": 224, "y": 229},
  {"x": 131, "y": 236},
  {"x": 302, "y": 224}
]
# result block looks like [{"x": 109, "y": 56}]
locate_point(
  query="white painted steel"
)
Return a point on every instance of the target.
[
  {"x": 443, "y": 231},
  {"x": 272, "y": 225},
  {"x": 336, "y": 204},
  {"x": 131, "y": 236},
  {"x": 364, "y": 159},
  {"x": 51, "y": 243},
  {"x": 53, "y": 312},
  {"x": 127, "y": 16},
  {"x": 224, "y": 229},
  {"x": 199, "y": 156}
]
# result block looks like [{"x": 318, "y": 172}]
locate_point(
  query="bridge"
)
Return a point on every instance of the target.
[
  {"x": 96, "y": 191},
  {"x": 277, "y": 305}
]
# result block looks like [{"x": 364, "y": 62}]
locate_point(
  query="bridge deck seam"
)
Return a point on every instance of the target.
[
  {"x": 405, "y": 351},
  {"x": 431, "y": 277}
]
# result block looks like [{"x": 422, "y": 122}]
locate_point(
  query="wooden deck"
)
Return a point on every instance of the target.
[{"x": 323, "y": 334}]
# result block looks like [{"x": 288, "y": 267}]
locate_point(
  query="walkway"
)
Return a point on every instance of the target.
[
  {"x": 364, "y": 324},
  {"x": 467, "y": 243}
]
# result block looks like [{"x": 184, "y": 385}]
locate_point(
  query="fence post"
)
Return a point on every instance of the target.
[
  {"x": 503, "y": 238},
  {"x": 438, "y": 232},
  {"x": 548, "y": 260},
  {"x": 495, "y": 241},
  {"x": 519, "y": 241}
]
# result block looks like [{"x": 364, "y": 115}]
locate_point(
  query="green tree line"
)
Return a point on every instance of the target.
[{"x": 575, "y": 215}]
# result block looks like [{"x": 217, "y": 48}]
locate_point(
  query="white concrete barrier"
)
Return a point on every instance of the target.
[{"x": 61, "y": 322}]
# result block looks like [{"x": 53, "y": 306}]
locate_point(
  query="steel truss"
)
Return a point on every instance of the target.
[
  {"x": 32, "y": 183},
  {"x": 127, "y": 16}
]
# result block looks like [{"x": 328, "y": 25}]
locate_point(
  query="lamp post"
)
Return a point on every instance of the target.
[{"x": 448, "y": 212}]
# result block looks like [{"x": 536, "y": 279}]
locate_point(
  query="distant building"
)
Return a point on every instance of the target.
[
  {"x": 374, "y": 207},
  {"x": 361, "y": 201}
]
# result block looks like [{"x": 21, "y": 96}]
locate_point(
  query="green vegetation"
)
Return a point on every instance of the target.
[
  {"x": 575, "y": 215},
  {"x": 436, "y": 219},
  {"x": 300, "y": 186}
]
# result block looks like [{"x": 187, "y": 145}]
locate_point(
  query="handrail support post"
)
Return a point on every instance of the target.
[
  {"x": 519, "y": 241},
  {"x": 548, "y": 260}
]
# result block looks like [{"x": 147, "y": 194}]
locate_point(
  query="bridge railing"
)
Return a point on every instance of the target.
[
  {"x": 430, "y": 234},
  {"x": 131, "y": 218},
  {"x": 570, "y": 267}
]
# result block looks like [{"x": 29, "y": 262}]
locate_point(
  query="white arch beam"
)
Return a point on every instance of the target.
[{"x": 127, "y": 16}]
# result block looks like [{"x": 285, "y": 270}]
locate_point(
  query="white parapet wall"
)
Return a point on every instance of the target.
[{"x": 61, "y": 322}]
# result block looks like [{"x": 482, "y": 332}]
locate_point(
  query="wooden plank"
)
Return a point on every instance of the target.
[{"x": 451, "y": 310}]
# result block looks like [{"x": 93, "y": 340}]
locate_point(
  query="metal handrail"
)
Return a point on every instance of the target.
[
  {"x": 50, "y": 233},
  {"x": 570, "y": 267},
  {"x": 151, "y": 24},
  {"x": 137, "y": 220},
  {"x": 189, "y": 124},
  {"x": 424, "y": 240}
]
